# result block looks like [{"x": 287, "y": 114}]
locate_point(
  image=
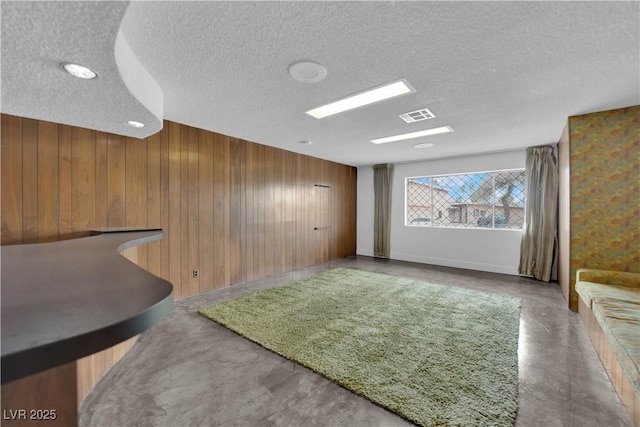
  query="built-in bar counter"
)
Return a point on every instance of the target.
[{"x": 65, "y": 300}]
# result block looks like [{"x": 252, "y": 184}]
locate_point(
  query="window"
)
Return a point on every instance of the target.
[{"x": 475, "y": 200}]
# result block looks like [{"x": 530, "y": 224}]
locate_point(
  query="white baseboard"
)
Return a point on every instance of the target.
[
  {"x": 364, "y": 252},
  {"x": 445, "y": 262}
]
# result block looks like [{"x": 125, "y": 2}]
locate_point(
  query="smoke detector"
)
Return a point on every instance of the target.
[
  {"x": 307, "y": 71},
  {"x": 416, "y": 116}
]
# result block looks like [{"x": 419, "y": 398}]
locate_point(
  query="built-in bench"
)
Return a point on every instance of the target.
[{"x": 609, "y": 306}]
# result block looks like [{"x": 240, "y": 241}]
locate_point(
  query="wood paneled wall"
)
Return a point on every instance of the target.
[
  {"x": 52, "y": 393},
  {"x": 91, "y": 368},
  {"x": 235, "y": 210}
]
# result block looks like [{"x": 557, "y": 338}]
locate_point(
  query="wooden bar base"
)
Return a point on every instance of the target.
[{"x": 46, "y": 399}]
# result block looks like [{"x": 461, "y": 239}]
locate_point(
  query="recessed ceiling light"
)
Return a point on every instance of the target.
[
  {"x": 423, "y": 145},
  {"x": 427, "y": 132},
  {"x": 306, "y": 142},
  {"x": 361, "y": 99},
  {"x": 307, "y": 71},
  {"x": 134, "y": 124},
  {"x": 80, "y": 71}
]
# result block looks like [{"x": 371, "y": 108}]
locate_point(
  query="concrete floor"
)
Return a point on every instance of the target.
[{"x": 189, "y": 371}]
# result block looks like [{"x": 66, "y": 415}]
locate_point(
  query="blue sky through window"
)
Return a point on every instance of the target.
[{"x": 461, "y": 187}]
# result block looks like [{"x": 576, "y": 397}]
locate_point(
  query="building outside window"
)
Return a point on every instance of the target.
[{"x": 475, "y": 200}]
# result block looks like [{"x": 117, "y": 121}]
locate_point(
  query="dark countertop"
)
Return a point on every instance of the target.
[{"x": 65, "y": 300}]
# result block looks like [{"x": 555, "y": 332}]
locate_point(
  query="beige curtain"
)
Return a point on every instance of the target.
[
  {"x": 541, "y": 213},
  {"x": 382, "y": 178}
]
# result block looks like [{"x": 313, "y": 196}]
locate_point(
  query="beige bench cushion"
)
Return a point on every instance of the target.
[
  {"x": 620, "y": 322},
  {"x": 589, "y": 291}
]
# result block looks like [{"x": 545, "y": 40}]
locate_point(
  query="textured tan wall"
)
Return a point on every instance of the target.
[{"x": 605, "y": 192}]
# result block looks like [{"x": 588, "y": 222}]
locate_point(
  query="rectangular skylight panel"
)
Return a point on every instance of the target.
[
  {"x": 411, "y": 135},
  {"x": 372, "y": 96}
]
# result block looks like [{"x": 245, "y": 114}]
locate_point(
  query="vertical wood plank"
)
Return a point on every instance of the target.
[
  {"x": 102, "y": 182},
  {"x": 259, "y": 213},
  {"x": 174, "y": 211},
  {"x": 242, "y": 267},
  {"x": 193, "y": 218},
  {"x": 11, "y": 207},
  {"x": 340, "y": 205},
  {"x": 249, "y": 218},
  {"x": 346, "y": 205},
  {"x": 314, "y": 206},
  {"x": 298, "y": 211},
  {"x": 119, "y": 351},
  {"x": 165, "y": 243},
  {"x": 184, "y": 211},
  {"x": 289, "y": 219},
  {"x": 54, "y": 388},
  {"x": 153, "y": 201},
  {"x": 236, "y": 251},
  {"x": 308, "y": 213},
  {"x": 311, "y": 210},
  {"x": 83, "y": 176},
  {"x": 136, "y": 190},
  {"x": 331, "y": 211},
  {"x": 47, "y": 181},
  {"x": 116, "y": 181},
  {"x": 135, "y": 183},
  {"x": 227, "y": 202},
  {"x": 84, "y": 368},
  {"x": 29, "y": 181},
  {"x": 344, "y": 200},
  {"x": 95, "y": 365},
  {"x": 304, "y": 211},
  {"x": 64, "y": 180},
  {"x": 321, "y": 205},
  {"x": 206, "y": 211},
  {"x": 269, "y": 211},
  {"x": 353, "y": 209},
  {"x": 219, "y": 232},
  {"x": 278, "y": 258}
]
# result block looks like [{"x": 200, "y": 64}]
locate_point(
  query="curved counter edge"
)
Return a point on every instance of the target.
[{"x": 87, "y": 297}]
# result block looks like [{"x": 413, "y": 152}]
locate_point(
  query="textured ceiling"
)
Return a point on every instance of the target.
[
  {"x": 503, "y": 75},
  {"x": 39, "y": 37}
]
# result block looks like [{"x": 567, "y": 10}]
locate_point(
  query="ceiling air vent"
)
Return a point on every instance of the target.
[{"x": 416, "y": 116}]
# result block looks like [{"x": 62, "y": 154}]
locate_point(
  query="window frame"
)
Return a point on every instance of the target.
[{"x": 430, "y": 224}]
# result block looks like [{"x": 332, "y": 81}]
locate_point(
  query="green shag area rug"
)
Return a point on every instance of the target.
[{"x": 435, "y": 355}]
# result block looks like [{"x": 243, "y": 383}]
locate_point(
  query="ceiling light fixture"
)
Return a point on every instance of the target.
[
  {"x": 411, "y": 135},
  {"x": 305, "y": 142},
  {"x": 368, "y": 97},
  {"x": 80, "y": 71},
  {"x": 307, "y": 71},
  {"x": 423, "y": 145},
  {"x": 134, "y": 124}
]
